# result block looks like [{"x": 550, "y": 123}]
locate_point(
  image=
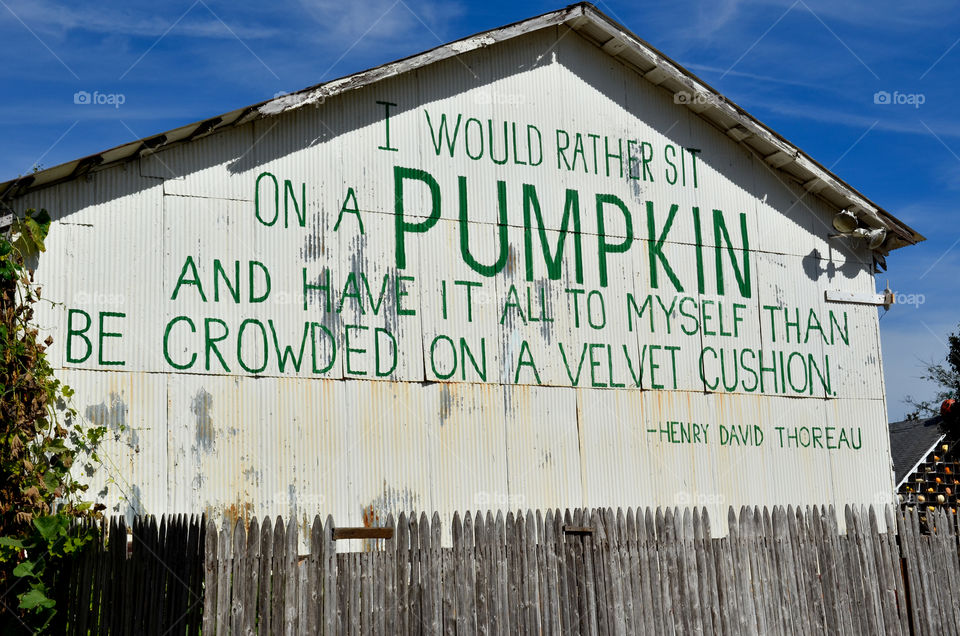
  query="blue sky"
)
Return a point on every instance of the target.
[{"x": 807, "y": 68}]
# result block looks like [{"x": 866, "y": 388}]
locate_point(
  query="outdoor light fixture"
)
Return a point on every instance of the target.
[
  {"x": 845, "y": 222},
  {"x": 874, "y": 238}
]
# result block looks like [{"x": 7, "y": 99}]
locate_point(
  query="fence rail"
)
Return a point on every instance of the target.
[{"x": 596, "y": 571}]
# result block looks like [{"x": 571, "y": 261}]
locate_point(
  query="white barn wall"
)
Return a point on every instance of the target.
[{"x": 297, "y": 443}]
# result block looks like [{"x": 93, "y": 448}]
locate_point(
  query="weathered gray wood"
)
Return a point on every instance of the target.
[
  {"x": 897, "y": 572},
  {"x": 252, "y": 578},
  {"x": 791, "y": 609},
  {"x": 942, "y": 601},
  {"x": 787, "y": 572},
  {"x": 679, "y": 608},
  {"x": 532, "y": 575},
  {"x": 460, "y": 577},
  {"x": 429, "y": 576},
  {"x": 543, "y": 606},
  {"x": 495, "y": 555},
  {"x": 403, "y": 574},
  {"x": 266, "y": 572},
  {"x": 640, "y": 578},
  {"x": 366, "y": 603},
  {"x": 210, "y": 572},
  {"x": 416, "y": 585},
  {"x": 354, "y": 594},
  {"x": 602, "y": 569},
  {"x": 888, "y": 599},
  {"x": 225, "y": 553},
  {"x": 909, "y": 551},
  {"x": 670, "y": 602},
  {"x": 291, "y": 591},
  {"x": 742, "y": 577},
  {"x": 926, "y": 580},
  {"x": 726, "y": 588},
  {"x": 480, "y": 545},
  {"x": 448, "y": 556},
  {"x": 824, "y": 571},
  {"x": 390, "y": 580},
  {"x": 871, "y": 606},
  {"x": 951, "y": 552},
  {"x": 238, "y": 579},
  {"x": 436, "y": 618},
  {"x": 757, "y": 590},
  {"x": 313, "y": 594},
  {"x": 704, "y": 582},
  {"x": 380, "y": 578},
  {"x": 692, "y": 576},
  {"x": 805, "y": 523},
  {"x": 616, "y": 600},
  {"x": 647, "y": 545},
  {"x": 574, "y": 582},
  {"x": 589, "y": 601},
  {"x": 551, "y": 605},
  {"x": 776, "y": 570},
  {"x": 329, "y": 578},
  {"x": 278, "y": 582},
  {"x": 513, "y": 598},
  {"x": 524, "y": 582},
  {"x": 469, "y": 575}
]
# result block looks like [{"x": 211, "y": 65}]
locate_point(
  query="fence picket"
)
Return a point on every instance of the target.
[{"x": 780, "y": 571}]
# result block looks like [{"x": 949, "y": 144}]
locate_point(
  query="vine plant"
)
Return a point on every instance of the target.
[{"x": 41, "y": 440}]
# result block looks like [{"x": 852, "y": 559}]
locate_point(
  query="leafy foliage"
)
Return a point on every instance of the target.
[
  {"x": 41, "y": 438},
  {"x": 945, "y": 376}
]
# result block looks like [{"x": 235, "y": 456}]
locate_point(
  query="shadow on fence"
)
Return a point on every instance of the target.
[{"x": 594, "y": 571}]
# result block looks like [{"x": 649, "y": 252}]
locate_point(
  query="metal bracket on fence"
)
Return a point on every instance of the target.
[
  {"x": 362, "y": 533},
  {"x": 579, "y": 529}
]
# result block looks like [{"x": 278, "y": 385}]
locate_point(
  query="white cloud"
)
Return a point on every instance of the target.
[{"x": 197, "y": 21}]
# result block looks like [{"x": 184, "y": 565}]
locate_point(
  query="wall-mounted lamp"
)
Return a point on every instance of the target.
[
  {"x": 874, "y": 238},
  {"x": 845, "y": 221}
]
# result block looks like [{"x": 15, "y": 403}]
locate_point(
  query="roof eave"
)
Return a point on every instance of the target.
[{"x": 614, "y": 39}]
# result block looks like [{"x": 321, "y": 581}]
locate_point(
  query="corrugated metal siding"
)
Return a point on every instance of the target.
[{"x": 437, "y": 434}]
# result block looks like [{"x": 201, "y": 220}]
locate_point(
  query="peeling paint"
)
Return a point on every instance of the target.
[
  {"x": 446, "y": 403},
  {"x": 201, "y": 407},
  {"x": 113, "y": 415}
]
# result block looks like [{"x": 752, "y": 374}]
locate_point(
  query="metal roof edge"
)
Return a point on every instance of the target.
[
  {"x": 922, "y": 459},
  {"x": 709, "y": 104}
]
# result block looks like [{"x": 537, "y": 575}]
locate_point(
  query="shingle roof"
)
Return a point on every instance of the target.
[{"x": 910, "y": 442}]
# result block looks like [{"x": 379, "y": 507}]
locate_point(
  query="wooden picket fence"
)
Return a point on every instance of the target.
[
  {"x": 143, "y": 580},
  {"x": 785, "y": 571},
  {"x": 597, "y": 571}
]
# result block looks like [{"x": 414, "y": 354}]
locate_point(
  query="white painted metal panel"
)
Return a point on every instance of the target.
[{"x": 363, "y": 383}]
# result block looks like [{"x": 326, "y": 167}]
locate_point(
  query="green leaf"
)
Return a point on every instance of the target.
[
  {"x": 25, "y": 568},
  {"x": 35, "y": 598},
  {"x": 10, "y": 542},
  {"x": 51, "y": 480},
  {"x": 50, "y": 527}
]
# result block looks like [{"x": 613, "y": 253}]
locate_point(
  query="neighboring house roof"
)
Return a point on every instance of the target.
[
  {"x": 594, "y": 26},
  {"x": 911, "y": 441}
]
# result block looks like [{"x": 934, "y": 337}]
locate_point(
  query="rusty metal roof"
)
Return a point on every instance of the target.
[{"x": 611, "y": 37}]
